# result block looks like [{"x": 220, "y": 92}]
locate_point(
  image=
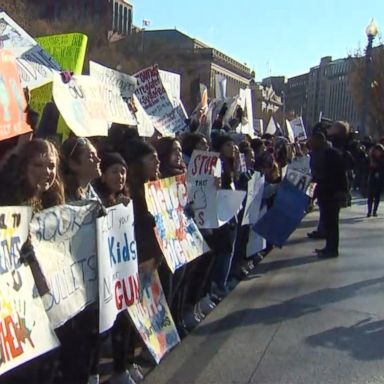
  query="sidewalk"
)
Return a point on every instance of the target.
[{"x": 297, "y": 319}]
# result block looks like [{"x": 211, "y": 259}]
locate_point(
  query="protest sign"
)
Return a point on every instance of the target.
[
  {"x": 271, "y": 127},
  {"x": 67, "y": 49},
  {"x": 87, "y": 105},
  {"x": 254, "y": 196},
  {"x": 155, "y": 101},
  {"x": 298, "y": 128},
  {"x": 152, "y": 317},
  {"x": 203, "y": 168},
  {"x": 299, "y": 173},
  {"x": 220, "y": 86},
  {"x": 171, "y": 82},
  {"x": 117, "y": 261},
  {"x": 13, "y": 119},
  {"x": 178, "y": 235},
  {"x": 25, "y": 332},
  {"x": 125, "y": 83},
  {"x": 34, "y": 65},
  {"x": 290, "y": 134},
  {"x": 256, "y": 243},
  {"x": 285, "y": 215},
  {"x": 144, "y": 122},
  {"x": 212, "y": 207},
  {"x": 64, "y": 240}
]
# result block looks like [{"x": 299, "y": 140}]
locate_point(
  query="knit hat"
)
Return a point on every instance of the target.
[
  {"x": 135, "y": 150},
  {"x": 111, "y": 158}
]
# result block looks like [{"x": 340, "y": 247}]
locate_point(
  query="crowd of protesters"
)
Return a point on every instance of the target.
[{"x": 42, "y": 173}]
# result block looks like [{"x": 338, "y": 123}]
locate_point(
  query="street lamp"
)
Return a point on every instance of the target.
[{"x": 371, "y": 32}]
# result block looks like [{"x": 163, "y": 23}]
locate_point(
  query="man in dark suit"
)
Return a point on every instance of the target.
[{"x": 332, "y": 188}]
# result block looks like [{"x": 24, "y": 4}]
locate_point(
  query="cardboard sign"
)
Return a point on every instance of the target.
[
  {"x": 34, "y": 65},
  {"x": 13, "y": 120},
  {"x": 25, "y": 332},
  {"x": 117, "y": 260},
  {"x": 171, "y": 82},
  {"x": 178, "y": 236},
  {"x": 64, "y": 240},
  {"x": 155, "y": 101},
  {"x": 67, "y": 49},
  {"x": 152, "y": 317},
  {"x": 299, "y": 173},
  {"x": 298, "y": 128}
]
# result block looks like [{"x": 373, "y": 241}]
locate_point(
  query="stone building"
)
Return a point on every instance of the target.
[{"x": 196, "y": 62}]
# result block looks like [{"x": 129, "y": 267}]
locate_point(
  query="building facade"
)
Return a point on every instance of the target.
[{"x": 196, "y": 62}]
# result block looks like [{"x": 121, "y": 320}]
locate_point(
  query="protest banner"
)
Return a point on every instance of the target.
[
  {"x": 67, "y": 49},
  {"x": 25, "y": 332},
  {"x": 178, "y": 236},
  {"x": 155, "y": 101},
  {"x": 125, "y": 83},
  {"x": 298, "y": 128},
  {"x": 13, "y": 119},
  {"x": 34, "y": 65},
  {"x": 254, "y": 196},
  {"x": 285, "y": 215},
  {"x": 152, "y": 317},
  {"x": 64, "y": 240},
  {"x": 213, "y": 208},
  {"x": 117, "y": 261}
]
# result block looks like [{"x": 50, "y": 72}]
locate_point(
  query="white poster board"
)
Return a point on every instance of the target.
[{"x": 117, "y": 261}]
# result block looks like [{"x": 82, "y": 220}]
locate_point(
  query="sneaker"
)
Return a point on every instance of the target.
[
  {"x": 122, "y": 378},
  {"x": 94, "y": 379},
  {"x": 369, "y": 214},
  {"x": 136, "y": 373},
  {"x": 374, "y": 214},
  {"x": 206, "y": 305}
]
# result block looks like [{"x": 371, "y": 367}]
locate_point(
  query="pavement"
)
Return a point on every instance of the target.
[{"x": 297, "y": 319}]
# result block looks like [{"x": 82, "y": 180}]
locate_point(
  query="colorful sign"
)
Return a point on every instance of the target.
[
  {"x": 64, "y": 240},
  {"x": 67, "y": 49},
  {"x": 178, "y": 235},
  {"x": 152, "y": 317},
  {"x": 13, "y": 119},
  {"x": 117, "y": 260},
  {"x": 25, "y": 332},
  {"x": 34, "y": 65},
  {"x": 154, "y": 99}
]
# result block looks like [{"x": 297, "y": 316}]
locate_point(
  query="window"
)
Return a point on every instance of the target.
[
  {"x": 125, "y": 21},
  {"x": 116, "y": 17},
  {"x": 120, "y": 28},
  {"x": 129, "y": 20}
]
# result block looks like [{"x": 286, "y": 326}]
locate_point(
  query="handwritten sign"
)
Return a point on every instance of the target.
[
  {"x": 152, "y": 317},
  {"x": 117, "y": 260},
  {"x": 125, "y": 83},
  {"x": 13, "y": 120},
  {"x": 178, "y": 235},
  {"x": 25, "y": 332},
  {"x": 154, "y": 99},
  {"x": 67, "y": 49},
  {"x": 34, "y": 65},
  {"x": 64, "y": 239}
]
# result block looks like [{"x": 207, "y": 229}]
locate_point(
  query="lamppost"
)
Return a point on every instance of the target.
[{"x": 371, "y": 32}]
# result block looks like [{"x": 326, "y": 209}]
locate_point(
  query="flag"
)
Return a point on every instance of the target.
[{"x": 146, "y": 23}]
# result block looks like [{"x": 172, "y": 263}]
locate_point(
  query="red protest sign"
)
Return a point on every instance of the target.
[{"x": 13, "y": 119}]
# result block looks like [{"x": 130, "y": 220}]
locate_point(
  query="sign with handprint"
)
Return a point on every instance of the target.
[{"x": 13, "y": 119}]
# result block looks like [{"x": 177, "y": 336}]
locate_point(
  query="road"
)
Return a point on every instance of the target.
[{"x": 297, "y": 319}]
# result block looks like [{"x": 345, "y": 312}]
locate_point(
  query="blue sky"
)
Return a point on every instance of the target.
[{"x": 281, "y": 37}]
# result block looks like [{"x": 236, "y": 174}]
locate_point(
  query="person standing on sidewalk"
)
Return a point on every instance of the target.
[
  {"x": 332, "y": 189},
  {"x": 375, "y": 178}
]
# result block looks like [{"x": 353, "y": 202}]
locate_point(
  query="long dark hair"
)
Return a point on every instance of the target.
[
  {"x": 72, "y": 149},
  {"x": 25, "y": 193},
  {"x": 164, "y": 148}
]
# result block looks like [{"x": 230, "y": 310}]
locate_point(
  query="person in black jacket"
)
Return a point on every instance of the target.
[
  {"x": 375, "y": 178},
  {"x": 332, "y": 189}
]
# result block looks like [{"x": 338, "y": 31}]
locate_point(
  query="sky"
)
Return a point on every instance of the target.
[{"x": 275, "y": 38}]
